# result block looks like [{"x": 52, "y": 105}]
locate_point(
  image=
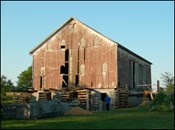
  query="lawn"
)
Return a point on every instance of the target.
[{"x": 115, "y": 119}]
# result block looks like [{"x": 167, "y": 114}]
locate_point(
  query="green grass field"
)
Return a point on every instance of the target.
[{"x": 115, "y": 119}]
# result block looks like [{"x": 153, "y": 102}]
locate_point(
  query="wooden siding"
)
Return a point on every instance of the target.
[
  {"x": 129, "y": 64},
  {"x": 86, "y": 48}
]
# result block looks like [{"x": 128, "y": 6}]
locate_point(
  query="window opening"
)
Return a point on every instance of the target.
[{"x": 62, "y": 46}]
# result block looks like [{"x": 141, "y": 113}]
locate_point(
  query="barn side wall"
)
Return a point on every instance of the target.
[{"x": 132, "y": 72}]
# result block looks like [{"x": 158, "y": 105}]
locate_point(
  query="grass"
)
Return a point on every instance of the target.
[{"x": 115, "y": 119}]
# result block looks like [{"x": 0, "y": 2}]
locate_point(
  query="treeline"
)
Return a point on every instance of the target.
[{"x": 24, "y": 82}]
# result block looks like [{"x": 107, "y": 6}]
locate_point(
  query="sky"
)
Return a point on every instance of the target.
[{"x": 145, "y": 27}]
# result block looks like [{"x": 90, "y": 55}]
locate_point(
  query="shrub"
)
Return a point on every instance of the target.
[{"x": 163, "y": 102}]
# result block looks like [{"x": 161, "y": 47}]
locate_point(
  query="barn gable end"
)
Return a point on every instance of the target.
[{"x": 75, "y": 56}]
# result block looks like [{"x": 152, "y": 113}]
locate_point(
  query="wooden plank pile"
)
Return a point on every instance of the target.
[
  {"x": 121, "y": 98},
  {"x": 84, "y": 98}
]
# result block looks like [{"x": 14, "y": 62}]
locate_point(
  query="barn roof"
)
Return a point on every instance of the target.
[{"x": 72, "y": 18}]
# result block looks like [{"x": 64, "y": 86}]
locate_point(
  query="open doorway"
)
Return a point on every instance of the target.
[{"x": 103, "y": 95}]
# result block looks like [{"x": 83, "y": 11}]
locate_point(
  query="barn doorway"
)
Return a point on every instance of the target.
[{"x": 103, "y": 95}]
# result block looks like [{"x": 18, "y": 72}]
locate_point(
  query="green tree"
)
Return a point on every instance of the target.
[
  {"x": 6, "y": 84},
  {"x": 25, "y": 79},
  {"x": 164, "y": 100},
  {"x": 168, "y": 80}
]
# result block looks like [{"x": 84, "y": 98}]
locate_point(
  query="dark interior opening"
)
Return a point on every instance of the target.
[
  {"x": 62, "y": 70},
  {"x": 84, "y": 54},
  {"x": 67, "y": 55},
  {"x": 48, "y": 95},
  {"x": 76, "y": 80},
  {"x": 41, "y": 81},
  {"x": 66, "y": 68},
  {"x": 103, "y": 95},
  {"x": 62, "y": 46},
  {"x": 65, "y": 78},
  {"x": 75, "y": 94}
]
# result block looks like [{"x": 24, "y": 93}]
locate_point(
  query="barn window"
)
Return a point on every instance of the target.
[
  {"x": 104, "y": 68},
  {"x": 62, "y": 46}
]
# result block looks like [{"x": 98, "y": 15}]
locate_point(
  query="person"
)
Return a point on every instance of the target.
[{"x": 107, "y": 102}]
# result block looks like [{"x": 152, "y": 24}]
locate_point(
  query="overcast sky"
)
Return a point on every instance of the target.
[{"x": 146, "y": 28}]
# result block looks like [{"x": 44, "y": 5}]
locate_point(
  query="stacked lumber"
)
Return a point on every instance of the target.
[
  {"x": 64, "y": 95},
  {"x": 121, "y": 98},
  {"x": 84, "y": 98},
  {"x": 42, "y": 95}
]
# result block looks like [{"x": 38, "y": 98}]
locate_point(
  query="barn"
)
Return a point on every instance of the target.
[{"x": 79, "y": 62}]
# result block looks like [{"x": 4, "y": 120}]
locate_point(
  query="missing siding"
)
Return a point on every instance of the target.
[
  {"x": 65, "y": 81},
  {"x": 66, "y": 68},
  {"x": 76, "y": 80},
  {"x": 84, "y": 54},
  {"x": 41, "y": 82},
  {"x": 67, "y": 55},
  {"x": 62, "y": 70}
]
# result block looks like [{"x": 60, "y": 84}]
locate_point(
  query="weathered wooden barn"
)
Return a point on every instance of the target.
[{"x": 76, "y": 56}]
